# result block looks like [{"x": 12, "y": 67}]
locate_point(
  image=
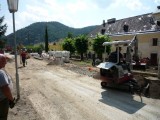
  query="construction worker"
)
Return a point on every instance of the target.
[{"x": 23, "y": 57}]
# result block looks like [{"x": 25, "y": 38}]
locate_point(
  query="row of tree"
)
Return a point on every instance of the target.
[{"x": 81, "y": 44}]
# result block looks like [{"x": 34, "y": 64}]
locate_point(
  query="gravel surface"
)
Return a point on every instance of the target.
[
  {"x": 54, "y": 92},
  {"x": 89, "y": 71},
  {"x": 140, "y": 76}
]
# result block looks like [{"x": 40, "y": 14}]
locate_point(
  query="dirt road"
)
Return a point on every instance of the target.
[{"x": 49, "y": 92}]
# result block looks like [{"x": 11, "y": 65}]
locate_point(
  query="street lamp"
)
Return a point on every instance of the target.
[{"x": 13, "y": 7}]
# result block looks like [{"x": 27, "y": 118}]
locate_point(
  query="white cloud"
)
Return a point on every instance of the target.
[
  {"x": 157, "y": 2},
  {"x": 75, "y": 13},
  {"x": 134, "y": 5},
  {"x": 70, "y": 13},
  {"x": 102, "y": 4}
]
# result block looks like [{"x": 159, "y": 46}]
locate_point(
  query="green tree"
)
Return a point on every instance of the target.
[
  {"x": 3, "y": 28},
  {"x": 2, "y": 44},
  {"x": 46, "y": 40},
  {"x": 81, "y": 45},
  {"x": 98, "y": 47},
  {"x": 68, "y": 45},
  {"x": 41, "y": 46},
  {"x": 70, "y": 35},
  {"x": 35, "y": 48}
]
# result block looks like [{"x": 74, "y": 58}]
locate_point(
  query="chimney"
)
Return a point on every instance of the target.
[
  {"x": 110, "y": 21},
  {"x": 104, "y": 24}
]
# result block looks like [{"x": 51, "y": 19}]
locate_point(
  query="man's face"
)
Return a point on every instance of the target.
[{"x": 2, "y": 61}]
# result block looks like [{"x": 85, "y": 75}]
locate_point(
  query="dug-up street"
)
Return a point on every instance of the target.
[{"x": 50, "y": 92}]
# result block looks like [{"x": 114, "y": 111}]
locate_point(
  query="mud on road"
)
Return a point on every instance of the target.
[{"x": 50, "y": 92}]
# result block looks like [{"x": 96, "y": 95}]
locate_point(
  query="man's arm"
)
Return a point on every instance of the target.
[{"x": 7, "y": 92}]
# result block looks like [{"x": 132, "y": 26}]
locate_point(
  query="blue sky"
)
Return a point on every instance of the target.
[{"x": 74, "y": 13}]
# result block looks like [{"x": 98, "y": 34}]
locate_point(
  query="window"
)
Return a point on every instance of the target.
[
  {"x": 103, "y": 31},
  {"x": 155, "y": 42},
  {"x": 158, "y": 23},
  {"x": 154, "y": 58},
  {"x": 125, "y": 28}
]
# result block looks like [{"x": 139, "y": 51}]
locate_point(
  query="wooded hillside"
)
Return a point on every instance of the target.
[{"x": 34, "y": 33}]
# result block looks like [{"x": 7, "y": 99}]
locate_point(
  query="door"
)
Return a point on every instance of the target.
[{"x": 154, "y": 59}]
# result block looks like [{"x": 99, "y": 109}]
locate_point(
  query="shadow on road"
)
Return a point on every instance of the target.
[{"x": 121, "y": 100}]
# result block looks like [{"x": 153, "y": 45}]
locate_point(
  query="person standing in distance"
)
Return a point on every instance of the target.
[
  {"x": 6, "y": 98},
  {"x": 23, "y": 57}
]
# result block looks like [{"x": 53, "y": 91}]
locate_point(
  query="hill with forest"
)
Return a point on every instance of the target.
[{"x": 35, "y": 33}]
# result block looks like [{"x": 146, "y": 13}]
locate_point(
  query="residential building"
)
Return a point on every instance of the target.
[{"x": 146, "y": 27}]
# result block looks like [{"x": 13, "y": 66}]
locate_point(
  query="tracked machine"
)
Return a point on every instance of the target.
[{"x": 118, "y": 74}]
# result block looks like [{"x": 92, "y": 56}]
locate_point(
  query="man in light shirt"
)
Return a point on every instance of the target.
[{"x": 6, "y": 98}]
